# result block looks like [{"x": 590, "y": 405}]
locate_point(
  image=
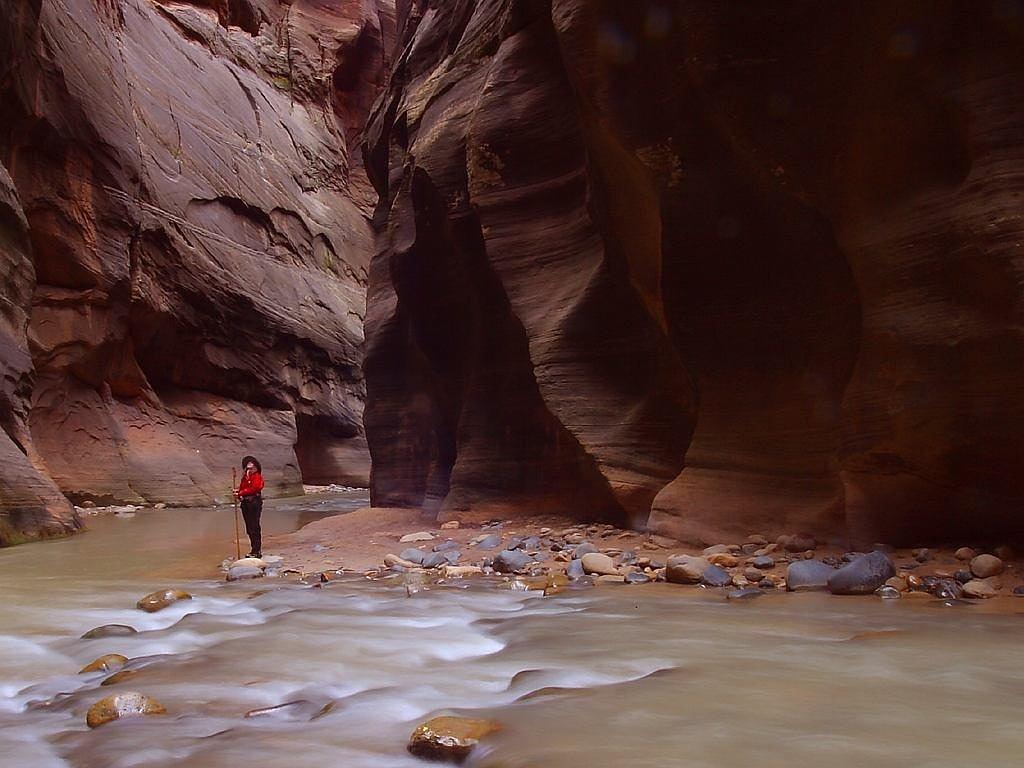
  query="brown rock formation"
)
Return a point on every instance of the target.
[
  {"x": 779, "y": 242},
  {"x": 198, "y": 234}
]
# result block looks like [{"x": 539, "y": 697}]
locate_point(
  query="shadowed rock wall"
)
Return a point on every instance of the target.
[
  {"x": 779, "y": 243},
  {"x": 189, "y": 237}
]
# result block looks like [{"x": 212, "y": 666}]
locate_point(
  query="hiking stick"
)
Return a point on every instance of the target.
[{"x": 238, "y": 547}]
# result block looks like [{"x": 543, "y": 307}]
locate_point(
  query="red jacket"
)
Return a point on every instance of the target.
[{"x": 251, "y": 485}]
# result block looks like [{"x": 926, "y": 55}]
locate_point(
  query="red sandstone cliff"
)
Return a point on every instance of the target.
[
  {"x": 711, "y": 267},
  {"x": 184, "y": 236}
]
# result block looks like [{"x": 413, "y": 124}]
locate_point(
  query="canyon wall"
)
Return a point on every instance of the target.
[
  {"x": 184, "y": 231},
  {"x": 711, "y": 268}
]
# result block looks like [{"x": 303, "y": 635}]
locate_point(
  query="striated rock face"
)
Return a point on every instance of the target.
[
  {"x": 779, "y": 244},
  {"x": 187, "y": 234}
]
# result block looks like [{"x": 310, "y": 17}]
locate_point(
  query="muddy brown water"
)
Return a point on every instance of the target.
[{"x": 610, "y": 676}]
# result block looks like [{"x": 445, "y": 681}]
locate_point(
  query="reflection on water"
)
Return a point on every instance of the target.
[{"x": 612, "y": 676}]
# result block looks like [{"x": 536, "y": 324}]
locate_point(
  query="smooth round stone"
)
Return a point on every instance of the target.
[
  {"x": 716, "y": 549},
  {"x": 714, "y": 576},
  {"x": 887, "y": 593},
  {"x": 863, "y": 575},
  {"x": 110, "y": 630},
  {"x": 244, "y": 572},
  {"x": 491, "y": 541},
  {"x": 511, "y": 561},
  {"x": 449, "y": 739},
  {"x": 799, "y": 543},
  {"x": 964, "y": 554},
  {"x": 724, "y": 560},
  {"x": 122, "y": 705},
  {"x": 598, "y": 563},
  {"x": 764, "y": 562},
  {"x": 637, "y": 577},
  {"x": 413, "y": 555},
  {"x": 110, "y": 662},
  {"x": 685, "y": 569},
  {"x": 979, "y": 589},
  {"x": 808, "y": 575},
  {"x": 586, "y": 548},
  {"x": 984, "y": 566},
  {"x": 157, "y": 601}
]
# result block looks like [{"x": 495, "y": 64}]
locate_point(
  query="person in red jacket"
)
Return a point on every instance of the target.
[{"x": 250, "y": 493}]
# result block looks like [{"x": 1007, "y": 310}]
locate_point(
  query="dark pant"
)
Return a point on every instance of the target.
[{"x": 251, "y": 509}]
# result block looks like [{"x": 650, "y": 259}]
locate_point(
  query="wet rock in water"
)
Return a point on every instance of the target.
[
  {"x": 808, "y": 575},
  {"x": 449, "y": 739},
  {"x": 714, "y": 576},
  {"x": 244, "y": 572},
  {"x": 747, "y": 593},
  {"x": 413, "y": 555},
  {"x": 575, "y": 570},
  {"x": 685, "y": 569},
  {"x": 898, "y": 583},
  {"x": 300, "y": 709},
  {"x": 157, "y": 601},
  {"x": 491, "y": 541},
  {"x": 963, "y": 576},
  {"x": 724, "y": 560},
  {"x": 435, "y": 560},
  {"x": 862, "y": 576},
  {"x": 984, "y": 566},
  {"x": 460, "y": 571},
  {"x": 110, "y": 630},
  {"x": 764, "y": 562},
  {"x": 964, "y": 554},
  {"x": 511, "y": 561},
  {"x": 418, "y": 536},
  {"x": 585, "y": 548},
  {"x": 120, "y": 677},
  {"x": 447, "y": 544},
  {"x": 979, "y": 588},
  {"x": 600, "y": 564},
  {"x": 887, "y": 593},
  {"x": 109, "y": 662},
  {"x": 637, "y": 577},
  {"x": 122, "y": 705}
]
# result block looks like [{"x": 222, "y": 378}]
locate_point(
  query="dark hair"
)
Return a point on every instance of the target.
[{"x": 254, "y": 460}]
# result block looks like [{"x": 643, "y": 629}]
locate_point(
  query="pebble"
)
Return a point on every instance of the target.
[
  {"x": 637, "y": 577},
  {"x": 514, "y": 543},
  {"x": 898, "y": 583},
  {"x": 863, "y": 575},
  {"x": 122, "y": 705},
  {"x": 922, "y": 555},
  {"x": 157, "y": 601},
  {"x": 418, "y": 536},
  {"x": 1018, "y": 591},
  {"x": 714, "y": 576},
  {"x": 716, "y": 549},
  {"x": 963, "y": 576},
  {"x": 964, "y": 554},
  {"x": 491, "y": 541},
  {"x": 608, "y": 578},
  {"x": 394, "y": 561},
  {"x": 724, "y": 559},
  {"x": 764, "y": 562},
  {"x": 109, "y": 630},
  {"x": 450, "y": 525},
  {"x": 585, "y": 548},
  {"x": 766, "y": 550},
  {"x": 978, "y": 588},
  {"x": 109, "y": 662},
  {"x": 887, "y": 593},
  {"x": 798, "y": 543},
  {"x": 597, "y": 563},
  {"x": 808, "y": 575},
  {"x": 984, "y": 566},
  {"x": 449, "y": 739},
  {"x": 753, "y": 574}
]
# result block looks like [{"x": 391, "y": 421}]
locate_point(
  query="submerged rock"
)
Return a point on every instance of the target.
[
  {"x": 450, "y": 739},
  {"x": 109, "y": 662},
  {"x": 157, "y": 601},
  {"x": 110, "y": 630},
  {"x": 808, "y": 575},
  {"x": 749, "y": 593},
  {"x": 863, "y": 575},
  {"x": 122, "y": 705}
]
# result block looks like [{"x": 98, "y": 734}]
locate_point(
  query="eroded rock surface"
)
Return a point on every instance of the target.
[
  {"x": 778, "y": 243},
  {"x": 184, "y": 229}
]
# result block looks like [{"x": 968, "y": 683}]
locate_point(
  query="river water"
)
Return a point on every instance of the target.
[{"x": 643, "y": 676}]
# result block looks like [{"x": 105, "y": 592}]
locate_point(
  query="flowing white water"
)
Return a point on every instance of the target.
[{"x": 609, "y": 676}]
